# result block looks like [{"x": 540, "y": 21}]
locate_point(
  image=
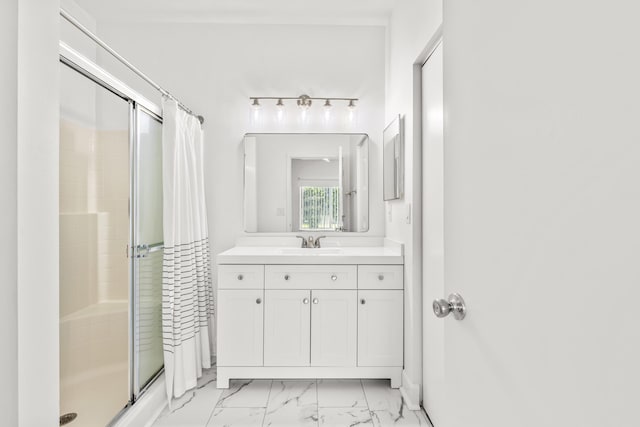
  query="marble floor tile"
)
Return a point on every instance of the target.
[
  {"x": 246, "y": 394},
  {"x": 406, "y": 417},
  {"x": 208, "y": 376},
  {"x": 341, "y": 394},
  {"x": 344, "y": 417},
  {"x": 236, "y": 417},
  {"x": 380, "y": 396},
  {"x": 292, "y": 393},
  {"x": 292, "y": 403},
  {"x": 192, "y": 409}
]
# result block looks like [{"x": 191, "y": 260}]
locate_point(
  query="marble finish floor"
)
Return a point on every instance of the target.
[{"x": 291, "y": 403}]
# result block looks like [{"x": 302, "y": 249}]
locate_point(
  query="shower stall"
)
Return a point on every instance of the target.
[{"x": 111, "y": 243}]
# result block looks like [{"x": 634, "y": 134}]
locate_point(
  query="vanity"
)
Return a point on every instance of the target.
[
  {"x": 288, "y": 312},
  {"x": 288, "y": 308}
]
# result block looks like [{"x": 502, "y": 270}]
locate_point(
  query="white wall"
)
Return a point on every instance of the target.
[
  {"x": 8, "y": 213},
  {"x": 412, "y": 24},
  {"x": 37, "y": 245},
  {"x": 214, "y": 68}
]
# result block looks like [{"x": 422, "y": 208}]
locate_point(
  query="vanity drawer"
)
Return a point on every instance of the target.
[
  {"x": 311, "y": 277},
  {"x": 240, "y": 276},
  {"x": 380, "y": 277}
]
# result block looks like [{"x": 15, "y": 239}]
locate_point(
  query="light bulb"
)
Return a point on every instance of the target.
[
  {"x": 255, "y": 107},
  {"x": 327, "y": 110},
  {"x": 351, "y": 109},
  {"x": 280, "y": 110}
]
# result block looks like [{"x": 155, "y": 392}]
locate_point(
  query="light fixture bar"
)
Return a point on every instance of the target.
[{"x": 323, "y": 98}]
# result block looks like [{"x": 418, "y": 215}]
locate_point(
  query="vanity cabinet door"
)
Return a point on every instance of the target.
[
  {"x": 240, "y": 327},
  {"x": 287, "y": 328},
  {"x": 380, "y": 329},
  {"x": 333, "y": 328}
]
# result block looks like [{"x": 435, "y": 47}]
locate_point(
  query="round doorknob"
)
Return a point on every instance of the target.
[
  {"x": 380, "y": 276},
  {"x": 441, "y": 307},
  {"x": 455, "y": 304},
  {"x": 363, "y": 301},
  {"x": 316, "y": 300},
  {"x": 286, "y": 277},
  {"x": 334, "y": 277},
  {"x": 258, "y": 300},
  {"x": 240, "y": 277},
  {"x": 305, "y": 301}
]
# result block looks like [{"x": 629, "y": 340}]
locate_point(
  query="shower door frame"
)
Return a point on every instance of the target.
[{"x": 137, "y": 103}]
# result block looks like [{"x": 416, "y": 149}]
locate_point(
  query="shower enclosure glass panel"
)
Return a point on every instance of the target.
[
  {"x": 94, "y": 234},
  {"x": 149, "y": 250}
]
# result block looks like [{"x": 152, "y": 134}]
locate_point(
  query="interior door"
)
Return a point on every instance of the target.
[
  {"x": 433, "y": 396},
  {"x": 542, "y": 213},
  {"x": 287, "y": 327}
]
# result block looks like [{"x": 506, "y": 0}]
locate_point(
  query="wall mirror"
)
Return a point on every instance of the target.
[
  {"x": 393, "y": 160},
  {"x": 306, "y": 182}
]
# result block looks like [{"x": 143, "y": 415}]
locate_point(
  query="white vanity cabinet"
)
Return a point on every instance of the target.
[
  {"x": 242, "y": 312},
  {"x": 287, "y": 320},
  {"x": 309, "y": 321}
]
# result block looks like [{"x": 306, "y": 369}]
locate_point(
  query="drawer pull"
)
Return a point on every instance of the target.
[
  {"x": 316, "y": 300},
  {"x": 363, "y": 301},
  {"x": 334, "y": 277},
  {"x": 286, "y": 277},
  {"x": 305, "y": 301},
  {"x": 240, "y": 277},
  {"x": 258, "y": 300},
  {"x": 380, "y": 276}
]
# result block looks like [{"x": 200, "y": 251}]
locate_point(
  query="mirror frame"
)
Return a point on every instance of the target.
[
  {"x": 393, "y": 134},
  {"x": 293, "y": 233}
]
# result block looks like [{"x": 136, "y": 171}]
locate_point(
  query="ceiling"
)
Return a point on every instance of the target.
[{"x": 308, "y": 12}]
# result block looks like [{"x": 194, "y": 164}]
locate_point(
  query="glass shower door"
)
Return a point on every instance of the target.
[
  {"x": 149, "y": 245},
  {"x": 94, "y": 266}
]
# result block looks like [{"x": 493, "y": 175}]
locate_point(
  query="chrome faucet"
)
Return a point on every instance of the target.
[
  {"x": 316, "y": 243},
  {"x": 305, "y": 243},
  {"x": 310, "y": 242}
]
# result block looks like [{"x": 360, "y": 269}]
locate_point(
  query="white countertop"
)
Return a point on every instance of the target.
[{"x": 294, "y": 255}]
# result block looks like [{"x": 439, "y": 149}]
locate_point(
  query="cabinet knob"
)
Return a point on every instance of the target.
[
  {"x": 316, "y": 300},
  {"x": 305, "y": 301},
  {"x": 240, "y": 277},
  {"x": 363, "y": 301},
  {"x": 334, "y": 277},
  {"x": 286, "y": 277},
  {"x": 380, "y": 276},
  {"x": 258, "y": 300}
]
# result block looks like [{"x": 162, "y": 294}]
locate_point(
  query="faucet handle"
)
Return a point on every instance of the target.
[
  {"x": 304, "y": 241},
  {"x": 316, "y": 244}
]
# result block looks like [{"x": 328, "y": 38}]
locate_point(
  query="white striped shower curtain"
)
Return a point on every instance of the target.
[{"x": 187, "y": 296}]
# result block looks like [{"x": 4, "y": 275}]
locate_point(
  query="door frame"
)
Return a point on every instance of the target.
[{"x": 436, "y": 39}]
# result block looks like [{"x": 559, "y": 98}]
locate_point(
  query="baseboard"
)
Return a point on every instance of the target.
[
  {"x": 410, "y": 393},
  {"x": 146, "y": 410}
]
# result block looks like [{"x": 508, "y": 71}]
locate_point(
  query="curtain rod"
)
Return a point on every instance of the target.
[{"x": 128, "y": 64}]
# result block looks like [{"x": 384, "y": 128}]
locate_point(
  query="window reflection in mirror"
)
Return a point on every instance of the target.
[{"x": 306, "y": 182}]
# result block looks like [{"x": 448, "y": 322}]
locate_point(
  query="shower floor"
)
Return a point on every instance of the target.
[{"x": 98, "y": 399}]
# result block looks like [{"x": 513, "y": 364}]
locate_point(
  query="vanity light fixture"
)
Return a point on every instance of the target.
[{"x": 303, "y": 101}]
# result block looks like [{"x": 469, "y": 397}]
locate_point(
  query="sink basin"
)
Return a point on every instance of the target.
[{"x": 310, "y": 251}]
